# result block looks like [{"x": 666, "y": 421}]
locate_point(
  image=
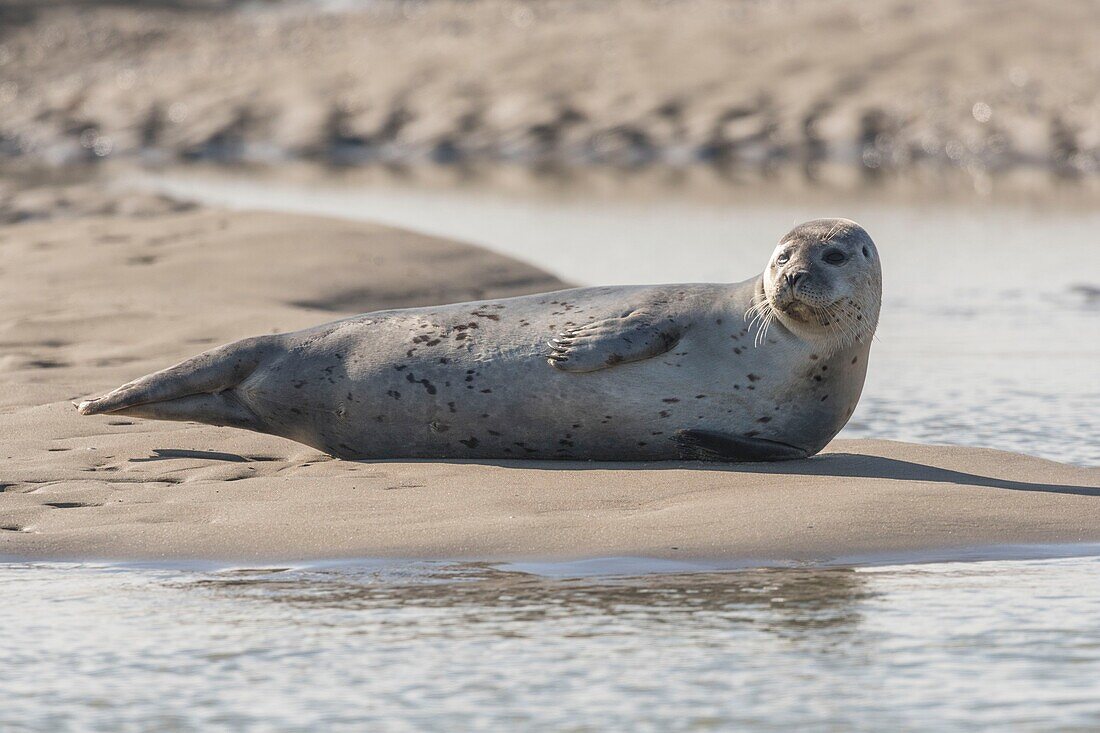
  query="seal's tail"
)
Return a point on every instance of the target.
[{"x": 198, "y": 389}]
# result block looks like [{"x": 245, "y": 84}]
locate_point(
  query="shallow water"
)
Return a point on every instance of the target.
[
  {"x": 431, "y": 646},
  {"x": 990, "y": 331}
]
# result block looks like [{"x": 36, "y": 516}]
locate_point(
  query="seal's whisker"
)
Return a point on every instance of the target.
[{"x": 762, "y": 316}]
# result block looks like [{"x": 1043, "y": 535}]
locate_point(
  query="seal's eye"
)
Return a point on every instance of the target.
[
  {"x": 835, "y": 257},
  {"x": 783, "y": 259}
]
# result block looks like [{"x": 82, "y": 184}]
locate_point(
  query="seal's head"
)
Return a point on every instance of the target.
[{"x": 823, "y": 283}]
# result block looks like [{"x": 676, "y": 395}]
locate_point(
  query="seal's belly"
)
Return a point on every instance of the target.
[{"x": 447, "y": 400}]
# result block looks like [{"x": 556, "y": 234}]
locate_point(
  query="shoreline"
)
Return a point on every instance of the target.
[{"x": 601, "y": 567}]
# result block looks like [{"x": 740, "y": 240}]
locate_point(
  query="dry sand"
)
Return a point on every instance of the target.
[
  {"x": 89, "y": 303},
  {"x": 981, "y": 86}
]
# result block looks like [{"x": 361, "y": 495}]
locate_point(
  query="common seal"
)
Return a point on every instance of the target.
[{"x": 766, "y": 369}]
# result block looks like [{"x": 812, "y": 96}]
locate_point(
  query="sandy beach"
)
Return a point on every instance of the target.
[{"x": 91, "y": 302}]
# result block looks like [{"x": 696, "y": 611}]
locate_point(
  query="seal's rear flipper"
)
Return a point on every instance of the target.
[
  {"x": 197, "y": 389},
  {"x": 222, "y": 409},
  {"x": 706, "y": 445}
]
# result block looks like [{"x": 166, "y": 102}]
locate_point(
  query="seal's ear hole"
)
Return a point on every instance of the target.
[{"x": 866, "y": 252}]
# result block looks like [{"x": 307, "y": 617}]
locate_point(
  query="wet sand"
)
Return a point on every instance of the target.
[
  {"x": 141, "y": 492},
  {"x": 91, "y": 302}
]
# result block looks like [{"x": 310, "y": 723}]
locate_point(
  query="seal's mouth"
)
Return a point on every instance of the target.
[
  {"x": 800, "y": 311},
  {"x": 799, "y": 308}
]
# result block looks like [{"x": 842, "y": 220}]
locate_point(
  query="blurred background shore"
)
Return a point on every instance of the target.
[{"x": 838, "y": 94}]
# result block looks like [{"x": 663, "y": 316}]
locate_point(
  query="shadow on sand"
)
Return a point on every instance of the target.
[{"x": 848, "y": 465}]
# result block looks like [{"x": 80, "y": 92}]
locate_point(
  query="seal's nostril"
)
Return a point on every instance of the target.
[{"x": 793, "y": 277}]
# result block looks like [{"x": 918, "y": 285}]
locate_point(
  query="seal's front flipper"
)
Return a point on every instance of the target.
[
  {"x": 602, "y": 344},
  {"x": 196, "y": 389},
  {"x": 706, "y": 445}
]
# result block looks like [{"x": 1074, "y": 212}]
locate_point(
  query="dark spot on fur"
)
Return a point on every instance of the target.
[
  {"x": 471, "y": 443},
  {"x": 399, "y": 367},
  {"x": 824, "y": 368},
  {"x": 451, "y": 407},
  {"x": 641, "y": 442},
  {"x": 751, "y": 433},
  {"x": 493, "y": 432},
  {"x": 427, "y": 384},
  {"x": 700, "y": 396},
  {"x": 664, "y": 413},
  {"x": 814, "y": 357},
  {"x": 461, "y": 336},
  {"x": 825, "y": 398},
  {"x": 764, "y": 419},
  {"x": 490, "y": 316},
  {"x": 817, "y": 377},
  {"x": 753, "y": 377},
  {"x": 614, "y": 359},
  {"x": 737, "y": 350},
  {"x": 671, "y": 400},
  {"x": 380, "y": 418},
  {"x": 855, "y": 359},
  {"x": 486, "y": 391},
  {"x": 298, "y": 383},
  {"x": 394, "y": 393}
]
